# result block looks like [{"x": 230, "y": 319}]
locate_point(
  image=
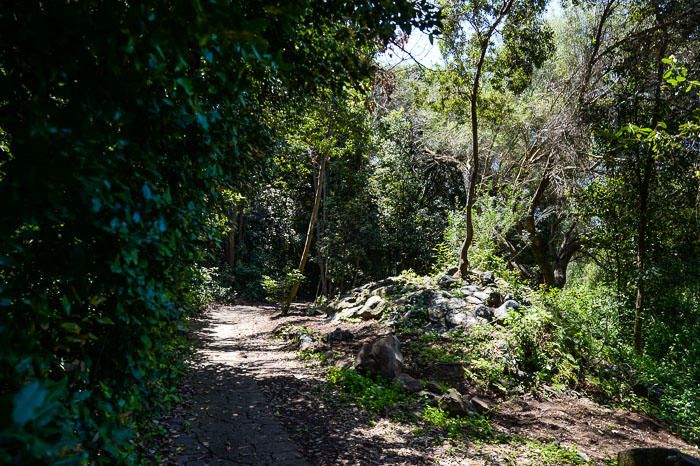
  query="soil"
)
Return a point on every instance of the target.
[{"x": 248, "y": 399}]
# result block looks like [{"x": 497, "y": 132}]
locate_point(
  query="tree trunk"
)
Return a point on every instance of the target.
[
  {"x": 645, "y": 181},
  {"x": 231, "y": 238},
  {"x": 539, "y": 250},
  {"x": 569, "y": 246},
  {"x": 322, "y": 264},
  {"x": 463, "y": 267},
  {"x": 309, "y": 236}
]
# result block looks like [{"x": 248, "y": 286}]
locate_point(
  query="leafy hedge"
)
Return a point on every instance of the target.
[{"x": 120, "y": 125}]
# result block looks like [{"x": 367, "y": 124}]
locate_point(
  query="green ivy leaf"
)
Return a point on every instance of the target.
[
  {"x": 27, "y": 402},
  {"x": 71, "y": 327}
]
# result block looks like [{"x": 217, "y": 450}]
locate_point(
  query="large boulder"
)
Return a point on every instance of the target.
[
  {"x": 655, "y": 457},
  {"x": 501, "y": 312},
  {"x": 409, "y": 384},
  {"x": 381, "y": 357},
  {"x": 454, "y": 403}
]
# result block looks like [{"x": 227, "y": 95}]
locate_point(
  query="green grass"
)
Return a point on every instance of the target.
[
  {"x": 480, "y": 349},
  {"x": 474, "y": 426},
  {"x": 376, "y": 395},
  {"x": 544, "y": 453}
]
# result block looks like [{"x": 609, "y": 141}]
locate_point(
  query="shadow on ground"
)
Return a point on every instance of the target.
[{"x": 263, "y": 407}]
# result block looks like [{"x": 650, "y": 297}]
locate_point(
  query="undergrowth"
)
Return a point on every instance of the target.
[{"x": 376, "y": 395}]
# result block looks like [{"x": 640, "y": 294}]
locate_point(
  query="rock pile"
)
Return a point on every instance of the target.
[
  {"x": 447, "y": 301},
  {"x": 383, "y": 357}
]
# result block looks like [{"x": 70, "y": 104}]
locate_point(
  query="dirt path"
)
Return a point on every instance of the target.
[
  {"x": 228, "y": 418},
  {"x": 249, "y": 400}
]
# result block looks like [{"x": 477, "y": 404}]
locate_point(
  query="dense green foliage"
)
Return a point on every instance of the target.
[
  {"x": 123, "y": 127},
  {"x": 156, "y": 156},
  {"x": 588, "y": 185}
]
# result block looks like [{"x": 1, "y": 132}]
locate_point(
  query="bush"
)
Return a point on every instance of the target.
[
  {"x": 122, "y": 124},
  {"x": 376, "y": 395},
  {"x": 277, "y": 289},
  {"x": 473, "y": 426}
]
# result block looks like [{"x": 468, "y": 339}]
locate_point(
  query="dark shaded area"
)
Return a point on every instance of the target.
[
  {"x": 229, "y": 421},
  {"x": 235, "y": 414}
]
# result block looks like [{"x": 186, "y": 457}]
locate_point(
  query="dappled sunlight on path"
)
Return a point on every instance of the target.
[{"x": 228, "y": 419}]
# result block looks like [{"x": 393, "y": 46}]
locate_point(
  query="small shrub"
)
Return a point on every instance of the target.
[
  {"x": 277, "y": 289},
  {"x": 473, "y": 426},
  {"x": 374, "y": 394},
  {"x": 552, "y": 454}
]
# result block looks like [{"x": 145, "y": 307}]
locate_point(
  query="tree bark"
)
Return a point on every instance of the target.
[
  {"x": 309, "y": 236},
  {"x": 644, "y": 184},
  {"x": 570, "y": 245},
  {"x": 463, "y": 267},
  {"x": 231, "y": 238},
  {"x": 536, "y": 243},
  {"x": 322, "y": 264}
]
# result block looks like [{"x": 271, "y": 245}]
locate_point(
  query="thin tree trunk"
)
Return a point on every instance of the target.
[
  {"x": 536, "y": 243},
  {"x": 309, "y": 236},
  {"x": 322, "y": 265},
  {"x": 641, "y": 253},
  {"x": 463, "y": 267},
  {"x": 570, "y": 245},
  {"x": 231, "y": 239},
  {"x": 645, "y": 182}
]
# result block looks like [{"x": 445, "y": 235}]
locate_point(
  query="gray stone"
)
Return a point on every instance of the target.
[
  {"x": 501, "y": 312},
  {"x": 381, "y": 357},
  {"x": 372, "y": 303},
  {"x": 469, "y": 289},
  {"x": 473, "y": 300},
  {"x": 433, "y": 387},
  {"x": 437, "y": 315},
  {"x": 409, "y": 384},
  {"x": 479, "y": 405},
  {"x": 346, "y": 303},
  {"x": 339, "y": 335},
  {"x": 350, "y": 313},
  {"x": 373, "y": 308},
  {"x": 432, "y": 398},
  {"x": 484, "y": 312},
  {"x": 384, "y": 291},
  {"x": 461, "y": 319},
  {"x": 449, "y": 303},
  {"x": 454, "y": 403},
  {"x": 655, "y": 457},
  {"x": 487, "y": 278},
  {"x": 420, "y": 297},
  {"x": 310, "y": 343},
  {"x": 446, "y": 281},
  {"x": 482, "y": 295}
]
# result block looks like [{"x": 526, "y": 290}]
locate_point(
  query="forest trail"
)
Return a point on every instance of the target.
[
  {"x": 226, "y": 418},
  {"x": 248, "y": 399}
]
